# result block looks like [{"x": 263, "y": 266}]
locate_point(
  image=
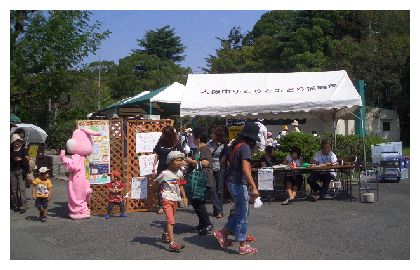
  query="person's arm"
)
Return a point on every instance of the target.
[
  {"x": 49, "y": 194},
  {"x": 34, "y": 192},
  {"x": 183, "y": 196},
  {"x": 155, "y": 163},
  {"x": 246, "y": 169}
]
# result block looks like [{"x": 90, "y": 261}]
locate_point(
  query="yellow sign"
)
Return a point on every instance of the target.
[
  {"x": 233, "y": 131},
  {"x": 33, "y": 151}
]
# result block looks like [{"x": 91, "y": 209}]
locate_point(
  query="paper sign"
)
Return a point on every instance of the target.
[
  {"x": 145, "y": 142},
  {"x": 138, "y": 188},
  {"x": 99, "y": 161},
  {"x": 265, "y": 179},
  {"x": 33, "y": 151},
  {"x": 146, "y": 164}
]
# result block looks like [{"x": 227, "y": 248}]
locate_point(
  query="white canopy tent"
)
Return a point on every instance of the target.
[
  {"x": 328, "y": 95},
  {"x": 270, "y": 95},
  {"x": 172, "y": 94}
]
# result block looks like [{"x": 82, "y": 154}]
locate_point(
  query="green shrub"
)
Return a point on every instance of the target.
[{"x": 307, "y": 143}]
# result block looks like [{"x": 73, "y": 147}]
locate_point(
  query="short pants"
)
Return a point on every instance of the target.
[
  {"x": 41, "y": 202},
  {"x": 169, "y": 207}
]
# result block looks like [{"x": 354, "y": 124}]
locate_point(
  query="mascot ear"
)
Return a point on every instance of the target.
[{"x": 90, "y": 132}]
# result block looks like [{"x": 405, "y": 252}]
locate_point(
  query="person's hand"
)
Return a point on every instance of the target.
[
  {"x": 184, "y": 201},
  {"x": 254, "y": 192},
  {"x": 188, "y": 160},
  {"x": 18, "y": 158}
]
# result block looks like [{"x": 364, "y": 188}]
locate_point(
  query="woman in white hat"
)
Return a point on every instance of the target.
[
  {"x": 19, "y": 165},
  {"x": 295, "y": 124}
]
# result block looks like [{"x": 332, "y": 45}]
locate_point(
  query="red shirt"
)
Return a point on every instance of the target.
[{"x": 115, "y": 196}]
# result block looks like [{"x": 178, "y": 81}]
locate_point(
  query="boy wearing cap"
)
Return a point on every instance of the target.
[
  {"x": 115, "y": 188},
  {"x": 42, "y": 192},
  {"x": 172, "y": 192}
]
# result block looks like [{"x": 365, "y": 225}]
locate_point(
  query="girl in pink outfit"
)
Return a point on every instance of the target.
[{"x": 79, "y": 191}]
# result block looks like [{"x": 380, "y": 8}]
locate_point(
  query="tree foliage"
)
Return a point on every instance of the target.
[
  {"x": 369, "y": 45},
  {"x": 163, "y": 43}
]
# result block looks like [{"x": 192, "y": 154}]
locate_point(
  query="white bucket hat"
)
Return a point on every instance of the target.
[
  {"x": 295, "y": 123},
  {"x": 43, "y": 169},
  {"x": 15, "y": 137},
  {"x": 174, "y": 155}
]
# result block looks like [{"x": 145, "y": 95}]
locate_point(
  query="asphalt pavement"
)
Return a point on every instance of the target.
[{"x": 331, "y": 229}]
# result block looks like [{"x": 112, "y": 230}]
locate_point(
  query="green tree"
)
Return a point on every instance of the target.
[
  {"x": 163, "y": 43},
  {"x": 369, "y": 45},
  {"x": 139, "y": 72},
  {"x": 46, "y": 49}
]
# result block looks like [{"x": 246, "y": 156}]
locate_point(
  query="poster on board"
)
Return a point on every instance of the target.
[
  {"x": 98, "y": 163},
  {"x": 265, "y": 179},
  {"x": 138, "y": 188},
  {"x": 146, "y": 163},
  {"x": 146, "y": 141}
]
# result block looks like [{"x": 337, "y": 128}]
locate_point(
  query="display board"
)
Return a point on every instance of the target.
[{"x": 98, "y": 163}]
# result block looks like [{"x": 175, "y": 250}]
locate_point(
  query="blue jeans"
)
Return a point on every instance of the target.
[
  {"x": 217, "y": 192},
  {"x": 238, "y": 221}
]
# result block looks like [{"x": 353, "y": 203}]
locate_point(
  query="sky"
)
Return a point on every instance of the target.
[{"x": 197, "y": 29}]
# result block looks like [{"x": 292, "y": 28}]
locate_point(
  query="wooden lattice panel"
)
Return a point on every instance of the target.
[
  {"x": 116, "y": 138},
  {"x": 132, "y": 169},
  {"x": 99, "y": 201}
]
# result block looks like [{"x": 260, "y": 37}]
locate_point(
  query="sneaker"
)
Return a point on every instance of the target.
[
  {"x": 286, "y": 202},
  {"x": 123, "y": 215},
  {"x": 247, "y": 250},
  {"x": 175, "y": 246},
  {"x": 106, "y": 216},
  {"x": 313, "y": 198},
  {"x": 165, "y": 238},
  {"x": 221, "y": 239},
  {"x": 206, "y": 230},
  {"x": 44, "y": 219},
  {"x": 196, "y": 229}
]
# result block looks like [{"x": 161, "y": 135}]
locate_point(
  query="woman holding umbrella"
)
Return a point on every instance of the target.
[{"x": 19, "y": 166}]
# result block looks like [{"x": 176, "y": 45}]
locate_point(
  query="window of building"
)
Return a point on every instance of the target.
[{"x": 386, "y": 126}]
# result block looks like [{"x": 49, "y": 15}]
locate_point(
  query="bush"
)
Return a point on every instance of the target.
[{"x": 307, "y": 143}]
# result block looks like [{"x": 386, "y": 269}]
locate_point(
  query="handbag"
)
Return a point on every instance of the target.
[{"x": 195, "y": 187}]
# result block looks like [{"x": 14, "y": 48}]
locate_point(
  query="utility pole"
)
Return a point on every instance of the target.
[{"x": 99, "y": 84}]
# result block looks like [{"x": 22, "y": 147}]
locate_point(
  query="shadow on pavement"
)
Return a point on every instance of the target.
[
  {"x": 151, "y": 241},
  {"x": 178, "y": 228},
  {"x": 60, "y": 210},
  {"x": 207, "y": 242},
  {"x": 33, "y": 218}
]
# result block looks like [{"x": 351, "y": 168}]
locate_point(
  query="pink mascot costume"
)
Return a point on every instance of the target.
[{"x": 79, "y": 191}]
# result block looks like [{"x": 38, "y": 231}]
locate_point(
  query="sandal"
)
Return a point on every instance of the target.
[
  {"x": 221, "y": 239},
  {"x": 286, "y": 202},
  {"x": 165, "y": 238},
  {"x": 250, "y": 238},
  {"x": 160, "y": 211},
  {"x": 247, "y": 250}
]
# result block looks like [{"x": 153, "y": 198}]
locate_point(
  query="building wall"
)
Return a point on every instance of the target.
[
  {"x": 374, "y": 125},
  {"x": 375, "y": 119}
]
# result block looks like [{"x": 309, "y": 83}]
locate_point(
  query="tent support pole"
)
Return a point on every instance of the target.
[
  {"x": 335, "y": 127},
  {"x": 362, "y": 124},
  {"x": 150, "y": 107}
]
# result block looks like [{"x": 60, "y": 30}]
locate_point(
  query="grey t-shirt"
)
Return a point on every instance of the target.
[
  {"x": 234, "y": 171},
  {"x": 217, "y": 150}
]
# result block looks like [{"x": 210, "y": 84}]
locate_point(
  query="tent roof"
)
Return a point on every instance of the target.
[
  {"x": 269, "y": 95},
  {"x": 172, "y": 94}
]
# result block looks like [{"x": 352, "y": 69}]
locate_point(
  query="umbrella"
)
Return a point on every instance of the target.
[
  {"x": 34, "y": 134},
  {"x": 14, "y": 118}
]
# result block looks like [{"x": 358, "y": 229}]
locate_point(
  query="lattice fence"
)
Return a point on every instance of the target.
[
  {"x": 99, "y": 199},
  {"x": 132, "y": 169}
]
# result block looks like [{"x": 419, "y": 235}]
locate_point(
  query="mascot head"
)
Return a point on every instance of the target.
[{"x": 81, "y": 141}]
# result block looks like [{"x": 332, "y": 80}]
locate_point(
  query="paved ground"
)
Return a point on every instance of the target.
[{"x": 304, "y": 230}]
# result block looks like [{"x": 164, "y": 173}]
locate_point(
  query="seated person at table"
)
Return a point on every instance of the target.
[
  {"x": 294, "y": 180},
  {"x": 324, "y": 157},
  {"x": 268, "y": 160}
]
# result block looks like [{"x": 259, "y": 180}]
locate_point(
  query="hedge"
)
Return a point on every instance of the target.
[{"x": 346, "y": 145}]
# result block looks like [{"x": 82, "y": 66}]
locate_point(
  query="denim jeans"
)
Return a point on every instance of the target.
[
  {"x": 112, "y": 204},
  {"x": 238, "y": 221},
  {"x": 217, "y": 192}
]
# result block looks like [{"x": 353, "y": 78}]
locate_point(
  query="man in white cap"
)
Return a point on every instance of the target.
[{"x": 262, "y": 134}]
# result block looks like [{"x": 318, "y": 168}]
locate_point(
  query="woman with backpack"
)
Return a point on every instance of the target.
[{"x": 239, "y": 179}]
